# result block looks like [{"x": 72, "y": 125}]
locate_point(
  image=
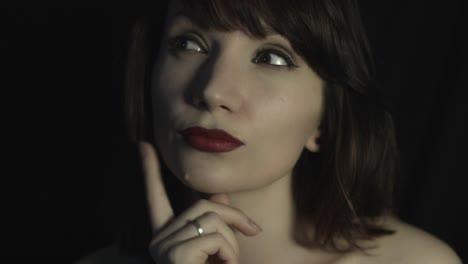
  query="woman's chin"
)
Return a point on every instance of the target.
[{"x": 207, "y": 182}]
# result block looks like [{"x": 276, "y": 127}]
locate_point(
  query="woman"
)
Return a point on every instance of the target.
[{"x": 266, "y": 113}]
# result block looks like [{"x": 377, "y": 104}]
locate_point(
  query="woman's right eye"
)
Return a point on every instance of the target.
[{"x": 183, "y": 43}]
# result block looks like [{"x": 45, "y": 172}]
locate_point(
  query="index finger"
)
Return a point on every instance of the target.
[{"x": 159, "y": 205}]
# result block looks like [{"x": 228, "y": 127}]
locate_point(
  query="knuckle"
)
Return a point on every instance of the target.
[
  {"x": 202, "y": 203},
  {"x": 238, "y": 212},
  {"x": 212, "y": 216},
  {"x": 239, "y": 216}
]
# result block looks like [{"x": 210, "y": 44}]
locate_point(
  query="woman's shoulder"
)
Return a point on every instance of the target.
[
  {"x": 410, "y": 244},
  {"x": 110, "y": 255}
]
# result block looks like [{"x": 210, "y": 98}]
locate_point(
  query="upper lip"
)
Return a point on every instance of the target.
[{"x": 211, "y": 133}]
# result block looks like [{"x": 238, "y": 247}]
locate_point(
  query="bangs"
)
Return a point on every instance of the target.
[
  {"x": 329, "y": 39},
  {"x": 256, "y": 18},
  {"x": 308, "y": 25}
]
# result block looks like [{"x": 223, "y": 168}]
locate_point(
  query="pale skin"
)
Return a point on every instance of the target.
[
  {"x": 233, "y": 240},
  {"x": 259, "y": 102},
  {"x": 214, "y": 80},
  {"x": 248, "y": 99}
]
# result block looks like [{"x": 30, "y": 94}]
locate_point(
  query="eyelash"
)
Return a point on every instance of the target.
[
  {"x": 289, "y": 62},
  {"x": 175, "y": 48},
  {"x": 176, "y": 41}
]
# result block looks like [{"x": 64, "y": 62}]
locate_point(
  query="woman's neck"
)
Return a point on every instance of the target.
[{"x": 272, "y": 208}]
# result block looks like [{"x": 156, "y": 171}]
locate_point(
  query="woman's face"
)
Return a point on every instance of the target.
[{"x": 257, "y": 90}]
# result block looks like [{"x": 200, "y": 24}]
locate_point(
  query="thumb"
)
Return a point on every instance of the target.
[{"x": 159, "y": 205}]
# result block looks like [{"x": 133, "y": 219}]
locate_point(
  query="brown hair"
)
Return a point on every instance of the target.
[{"x": 341, "y": 191}]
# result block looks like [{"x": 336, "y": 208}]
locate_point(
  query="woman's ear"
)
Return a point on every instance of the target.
[{"x": 312, "y": 143}]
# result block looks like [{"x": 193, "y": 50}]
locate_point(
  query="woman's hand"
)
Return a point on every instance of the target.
[{"x": 177, "y": 240}]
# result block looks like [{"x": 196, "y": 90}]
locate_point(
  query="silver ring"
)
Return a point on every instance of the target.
[{"x": 197, "y": 226}]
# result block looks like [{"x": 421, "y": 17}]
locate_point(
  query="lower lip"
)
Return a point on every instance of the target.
[{"x": 209, "y": 144}]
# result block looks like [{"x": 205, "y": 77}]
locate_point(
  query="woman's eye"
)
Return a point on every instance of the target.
[
  {"x": 274, "y": 58},
  {"x": 185, "y": 44},
  {"x": 270, "y": 58}
]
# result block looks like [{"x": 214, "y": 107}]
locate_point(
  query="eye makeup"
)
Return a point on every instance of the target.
[
  {"x": 266, "y": 55},
  {"x": 190, "y": 41}
]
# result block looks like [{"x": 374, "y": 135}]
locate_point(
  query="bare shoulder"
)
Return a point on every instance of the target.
[
  {"x": 412, "y": 245},
  {"x": 109, "y": 255}
]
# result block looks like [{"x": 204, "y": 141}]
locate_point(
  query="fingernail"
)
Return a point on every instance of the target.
[{"x": 254, "y": 225}]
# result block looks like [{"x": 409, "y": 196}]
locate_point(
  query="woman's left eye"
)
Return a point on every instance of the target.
[
  {"x": 184, "y": 43},
  {"x": 274, "y": 58}
]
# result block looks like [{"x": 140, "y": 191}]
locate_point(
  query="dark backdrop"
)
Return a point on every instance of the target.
[{"x": 65, "y": 142}]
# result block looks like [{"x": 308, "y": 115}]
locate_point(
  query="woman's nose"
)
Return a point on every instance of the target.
[{"x": 219, "y": 86}]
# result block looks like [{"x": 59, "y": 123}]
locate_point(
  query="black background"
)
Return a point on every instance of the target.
[{"x": 63, "y": 128}]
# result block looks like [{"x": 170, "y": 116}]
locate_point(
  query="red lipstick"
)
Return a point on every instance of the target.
[{"x": 210, "y": 140}]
